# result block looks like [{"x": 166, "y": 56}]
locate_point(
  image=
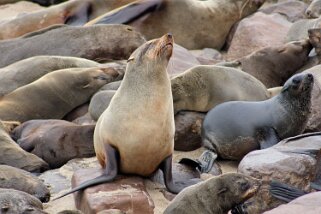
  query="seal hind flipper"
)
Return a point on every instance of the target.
[
  {"x": 80, "y": 17},
  {"x": 128, "y": 13},
  {"x": 204, "y": 163},
  {"x": 269, "y": 138},
  {"x": 174, "y": 187},
  {"x": 285, "y": 192},
  {"x": 110, "y": 172}
]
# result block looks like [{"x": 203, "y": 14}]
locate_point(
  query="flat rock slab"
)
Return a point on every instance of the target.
[
  {"x": 127, "y": 194},
  {"x": 307, "y": 204}
]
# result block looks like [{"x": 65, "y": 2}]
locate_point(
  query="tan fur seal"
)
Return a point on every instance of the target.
[
  {"x": 274, "y": 65},
  {"x": 28, "y": 70},
  {"x": 203, "y": 87},
  {"x": 99, "y": 102},
  {"x": 53, "y": 95},
  {"x": 15, "y": 201},
  {"x": 216, "y": 195},
  {"x": 55, "y": 141},
  {"x": 142, "y": 109},
  {"x": 22, "y": 180},
  {"x": 190, "y": 21},
  {"x": 98, "y": 43},
  {"x": 314, "y": 9},
  {"x": 72, "y": 12},
  {"x": 14, "y": 155}
]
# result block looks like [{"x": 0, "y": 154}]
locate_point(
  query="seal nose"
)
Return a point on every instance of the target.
[
  {"x": 308, "y": 13},
  {"x": 169, "y": 35},
  {"x": 310, "y": 76}
]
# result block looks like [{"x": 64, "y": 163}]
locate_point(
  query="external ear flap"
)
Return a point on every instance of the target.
[
  {"x": 222, "y": 190},
  {"x": 281, "y": 49},
  {"x": 86, "y": 86}
]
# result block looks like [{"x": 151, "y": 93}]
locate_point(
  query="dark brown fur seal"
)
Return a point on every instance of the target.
[
  {"x": 216, "y": 195},
  {"x": 55, "y": 141},
  {"x": 143, "y": 109},
  {"x": 190, "y": 21},
  {"x": 53, "y": 95},
  {"x": 18, "y": 179},
  {"x": 233, "y": 129},
  {"x": 274, "y": 65},
  {"x": 13, "y": 155},
  {"x": 98, "y": 43},
  {"x": 28, "y": 70}
]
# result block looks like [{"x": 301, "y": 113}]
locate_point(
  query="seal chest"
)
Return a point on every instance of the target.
[{"x": 139, "y": 121}]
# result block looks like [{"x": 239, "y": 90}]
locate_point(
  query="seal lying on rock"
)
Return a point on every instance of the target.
[
  {"x": 28, "y": 70},
  {"x": 203, "y": 87},
  {"x": 18, "y": 179},
  {"x": 216, "y": 195},
  {"x": 53, "y": 95},
  {"x": 142, "y": 110},
  {"x": 190, "y": 21},
  {"x": 233, "y": 129}
]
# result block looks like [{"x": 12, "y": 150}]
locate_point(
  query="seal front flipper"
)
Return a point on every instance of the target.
[
  {"x": 204, "y": 163},
  {"x": 285, "y": 192},
  {"x": 128, "y": 13},
  {"x": 174, "y": 187},
  {"x": 110, "y": 171},
  {"x": 268, "y": 138}
]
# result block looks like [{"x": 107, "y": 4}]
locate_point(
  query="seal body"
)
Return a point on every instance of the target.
[
  {"x": 216, "y": 195},
  {"x": 43, "y": 98},
  {"x": 28, "y": 70},
  {"x": 233, "y": 129},
  {"x": 203, "y": 87},
  {"x": 139, "y": 121}
]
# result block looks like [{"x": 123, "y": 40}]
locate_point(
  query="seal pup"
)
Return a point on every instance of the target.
[
  {"x": 53, "y": 95},
  {"x": 233, "y": 129},
  {"x": 142, "y": 110},
  {"x": 203, "y": 87},
  {"x": 28, "y": 70},
  {"x": 216, "y": 195},
  {"x": 190, "y": 21}
]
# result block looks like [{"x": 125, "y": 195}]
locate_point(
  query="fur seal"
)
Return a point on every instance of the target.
[
  {"x": 233, "y": 129},
  {"x": 55, "y": 141},
  {"x": 53, "y": 95},
  {"x": 15, "y": 201},
  {"x": 314, "y": 9},
  {"x": 142, "y": 108},
  {"x": 99, "y": 43},
  {"x": 274, "y": 65},
  {"x": 18, "y": 179},
  {"x": 216, "y": 195},
  {"x": 28, "y": 70},
  {"x": 190, "y": 21},
  {"x": 99, "y": 102},
  {"x": 203, "y": 87},
  {"x": 14, "y": 155}
]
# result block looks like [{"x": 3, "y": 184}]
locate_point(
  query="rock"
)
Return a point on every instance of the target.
[
  {"x": 181, "y": 60},
  {"x": 56, "y": 141},
  {"x": 18, "y": 179},
  {"x": 15, "y": 201},
  {"x": 207, "y": 56},
  {"x": 291, "y": 161},
  {"x": 254, "y": 33},
  {"x": 127, "y": 194},
  {"x": 314, "y": 122},
  {"x": 293, "y": 10},
  {"x": 307, "y": 204},
  {"x": 188, "y": 130}
]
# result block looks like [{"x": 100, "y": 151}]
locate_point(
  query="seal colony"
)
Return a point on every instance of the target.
[{"x": 142, "y": 109}]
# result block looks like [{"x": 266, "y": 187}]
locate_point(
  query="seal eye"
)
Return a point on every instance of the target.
[{"x": 100, "y": 78}]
